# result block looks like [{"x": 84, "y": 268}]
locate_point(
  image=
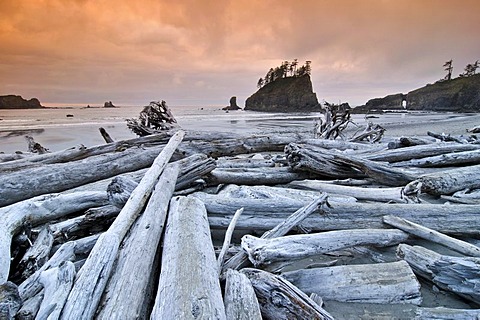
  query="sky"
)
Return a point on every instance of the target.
[{"x": 202, "y": 52}]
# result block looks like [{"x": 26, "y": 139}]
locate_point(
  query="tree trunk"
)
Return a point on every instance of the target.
[
  {"x": 384, "y": 283},
  {"x": 189, "y": 287},
  {"x": 263, "y": 252},
  {"x": 91, "y": 280},
  {"x": 126, "y": 292},
  {"x": 460, "y": 275},
  {"x": 240, "y": 300}
]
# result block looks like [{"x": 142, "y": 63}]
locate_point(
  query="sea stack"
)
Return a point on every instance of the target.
[{"x": 233, "y": 104}]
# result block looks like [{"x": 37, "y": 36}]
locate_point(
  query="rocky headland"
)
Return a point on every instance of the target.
[
  {"x": 289, "y": 94},
  {"x": 461, "y": 94},
  {"x": 17, "y": 102}
]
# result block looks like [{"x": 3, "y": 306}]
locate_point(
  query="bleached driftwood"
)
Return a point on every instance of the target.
[
  {"x": 449, "y": 181},
  {"x": 432, "y": 235},
  {"x": 91, "y": 280},
  {"x": 126, "y": 294},
  {"x": 403, "y": 142},
  {"x": 280, "y": 229},
  {"x": 63, "y": 176},
  {"x": 265, "y": 176},
  {"x": 444, "y": 160},
  {"x": 392, "y": 194},
  {"x": 240, "y": 300},
  {"x": 294, "y": 247},
  {"x": 392, "y": 282},
  {"x": 264, "y": 214},
  {"x": 189, "y": 284},
  {"x": 279, "y": 299},
  {"x": 39, "y": 210},
  {"x": 441, "y": 313},
  {"x": 460, "y": 275},
  {"x": 228, "y": 239},
  {"x": 119, "y": 190},
  {"x": 57, "y": 283},
  {"x": 30, "y": 307},
  {"x": 420, "y": 151}
]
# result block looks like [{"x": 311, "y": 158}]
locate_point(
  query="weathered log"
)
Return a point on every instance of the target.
[
  {"x": 57, "y": 283},
  {"x": 361, "y": 193},
  {"x": 443, "y": 137},
  {"x": 449, "y": 181},
  {"x": 460, "y": 275},
  {"x": 189, "y": 284},
  {"x": 280, "y": 229},
  {"x": 30, "y": 307},
  {"x": 91, "y": 280},
  {"x": 10, "y": 301},
  {"x": 267, "y": 176},
  {"x": 94, "y": 220},
  {"x": 126, "y": 293},
  {"x": 240, "y": 300},
  {"x": 432, "y": 235},
  {"x": 36, "y": 255},
  {"x": 419, "y": 151},
  {"x": 263, "y": 214},
  {"x": 119, "y": 190},
  {"x": 441, "y": 313},
  {"x": 39, "y": 210},
  {"x": 227, "y": 240},
  {"x": 243, "y": 162},
  {"x": 466, "y": 196},
  {"x": 444, "y": 160},
  {"x": 403, "y": 142},
  {"x": 279, "y": 299},
  {"x": 392, "y": 282},
  {"x": 263, "y": 252}
]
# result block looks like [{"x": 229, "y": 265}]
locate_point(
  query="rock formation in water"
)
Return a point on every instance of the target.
[
  {"x": 289, "y": 94},
  {"x": 461, "y": 94},
  {"x": 233, "y": 104},
  {"x": 108, "y": 104},
  {"x": 17, "y": 102}
]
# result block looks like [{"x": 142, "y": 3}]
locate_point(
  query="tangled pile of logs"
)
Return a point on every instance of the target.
[{"x": 311, "y": 229}]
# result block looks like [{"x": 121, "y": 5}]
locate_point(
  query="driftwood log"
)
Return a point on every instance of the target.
[
  {"x": 392, "y": 282},
  {"x": 86, "y": 293},
  {"x": 240, "y": 299},
  {"x": 189, "y": 287},
  {"x": 126, "y": 294}
]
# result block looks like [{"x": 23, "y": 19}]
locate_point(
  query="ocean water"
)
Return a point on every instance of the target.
[{"x": 56, "y": 131}]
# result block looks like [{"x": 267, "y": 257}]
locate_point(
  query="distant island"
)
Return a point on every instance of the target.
[
  {"x": 461, "y": 94},
  {"x": 287, "y": 88},
  {"x": 17, "y": 102}
]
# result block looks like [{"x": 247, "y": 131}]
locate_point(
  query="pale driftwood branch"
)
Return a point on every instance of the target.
[
  {"x": 460, "y": 275},
  {"x": 279, "y": 229},
  {"x": 432, "y": 235},
  {"x": 126, "y": 293},
  {"x": 392, "y": 282},
  {"x": 39, "y": 210},
  {"x": 279, "y": 299},
  {"x": 240, "y": 300},
  {"x": 294, "y": 247},
  {"x": 228, "y": 238},
  {"x": 189, "y": 284},
  {"x": 91, "y": 280},
  {"x": 57, "y": 283}
]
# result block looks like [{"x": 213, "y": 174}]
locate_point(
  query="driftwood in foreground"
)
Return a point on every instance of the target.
[
  {"x": 460, "y": 275},
  {"x": 294, "y": 247},
  {"x": 392, "y": 282},
  {"x": 449, "y": 181},
  {"x": 240, "y": 300},
  {"x": 10, "y": 301},
  {"x": 279, "y": 229},
  {"x": 189, "y": 287},
  {"x": 39, "y": 210},
  {"x": 126, "y": 294},
  {"x": 91, "y": 280},
  {"x": 264, "y": 214},
  {"x": 432, "y": 235},
  {"x": 279, "y": 299}
]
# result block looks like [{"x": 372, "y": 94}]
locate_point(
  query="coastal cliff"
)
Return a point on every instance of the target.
[
  {"x": 17, "y": 102},
  {"x": 289, "y": 94},
  {"x": 461, "y": 94}
]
